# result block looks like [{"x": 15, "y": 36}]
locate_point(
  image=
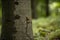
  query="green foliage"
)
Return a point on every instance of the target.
[
  {"x": 54, "y": 35},
  {"x": 42, "y": 27},
  {"x": 54, "y": 7}
]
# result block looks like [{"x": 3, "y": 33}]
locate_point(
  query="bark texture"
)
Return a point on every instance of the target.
[{"x": 16, "y": 24}]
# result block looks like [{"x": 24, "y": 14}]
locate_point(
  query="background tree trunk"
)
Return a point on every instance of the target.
[
  {"x": 33, "y": 6},
  {"x": 16, "y": 24},
  {"x": 47, "y": 8}
]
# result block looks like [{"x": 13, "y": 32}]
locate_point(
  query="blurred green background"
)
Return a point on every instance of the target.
[
  {"x": 0, "y": 16},
  {"x": 44, "y": 27},
  {"x": 47, "y": 28}
]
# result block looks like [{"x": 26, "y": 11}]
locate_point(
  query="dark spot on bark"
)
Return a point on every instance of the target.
[
  {"x": 17, "y": 17},
  {"x": 16, "y": 3}
]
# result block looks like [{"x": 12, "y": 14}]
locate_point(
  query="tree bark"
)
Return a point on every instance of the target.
[{"x": 16, "y": 24}]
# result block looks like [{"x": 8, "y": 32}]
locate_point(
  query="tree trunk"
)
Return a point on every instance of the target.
[
  {"x": 47, "y": 8},
  {"x": 33, "y": 6},
  {"x": 16, "y": 24}
]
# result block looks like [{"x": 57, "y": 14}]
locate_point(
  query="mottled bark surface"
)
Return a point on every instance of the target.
[
  {"x": 16, "y": 24},
  {"x": 23, "y": 25}
]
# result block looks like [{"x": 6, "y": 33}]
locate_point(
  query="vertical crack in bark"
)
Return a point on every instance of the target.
[{"x": 27, "y": 22}]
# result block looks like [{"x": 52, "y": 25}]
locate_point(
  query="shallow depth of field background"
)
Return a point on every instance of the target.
[
  {"x": 0, "y": 16},
  {"x": 44, "y": 27}
]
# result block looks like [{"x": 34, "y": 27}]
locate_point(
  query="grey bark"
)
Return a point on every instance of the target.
[{"x": 16, "y": 24}]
